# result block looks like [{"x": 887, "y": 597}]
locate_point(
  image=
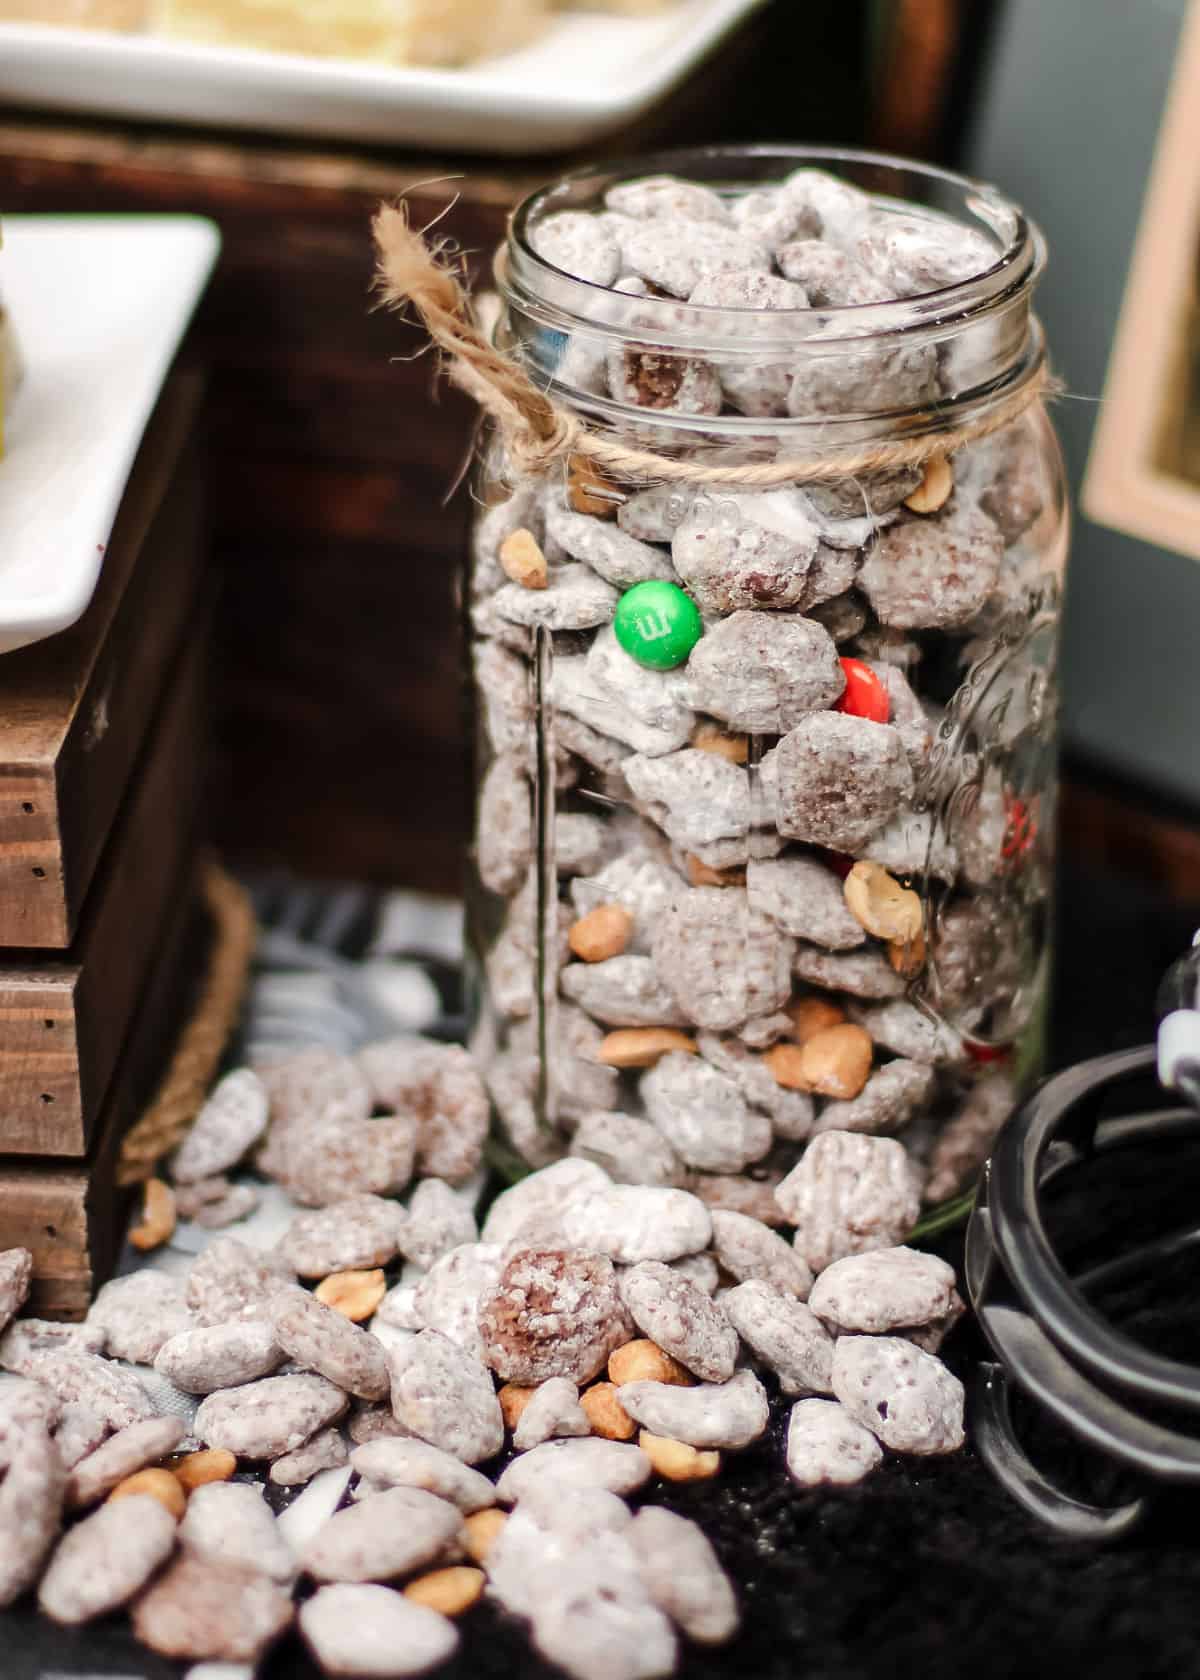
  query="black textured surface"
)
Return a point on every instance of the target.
[{"x": 926, "y": 1570}]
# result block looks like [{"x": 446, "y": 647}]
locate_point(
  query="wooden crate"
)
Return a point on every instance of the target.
[
  {"x": 63, "y": 1020},
  {"x": 72, "y": 1216},
  {"x": 75, "y": 710}
]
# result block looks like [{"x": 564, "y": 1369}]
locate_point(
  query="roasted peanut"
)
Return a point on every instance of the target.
[
  {"x": 354, "y": 1294},
  {"x": 523, "y": 560},
  {"x": 706, "y": 737},
  {"x": 812, "y": 1015},
  {"x": 589, "y": 491},
  {"x": 934, "y": 489},
  {"x": 514, "y": 1398},
  {"x": 836, "y": 1062},
  {"x": 786, "y": 1064},
  {"x": 157, "y": 1224},
  {"x": 479, "y": 1532},
  {"x": 638, "y": 1047},
  {"x": 644, "y": 1361},
  {"x": 881, "y": 905},
  {"x": 212, "y": 1464},
  {"x": 606, "y": 1414},
  {"x": 448, "y": 1591},
  {"x": 907, "y": 956},
  {"x": 159, "y": 1484},
  {"x": 675, "y": 1461},
  {"x": 700, "y": 875},
  {"x": 604, "y": 932}
]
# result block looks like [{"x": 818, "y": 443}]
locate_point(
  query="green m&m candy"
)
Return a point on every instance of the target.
[{"x": 657, "y": 624}]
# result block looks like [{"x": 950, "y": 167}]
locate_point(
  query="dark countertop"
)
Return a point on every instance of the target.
[{"x": 926, "y": 1569}]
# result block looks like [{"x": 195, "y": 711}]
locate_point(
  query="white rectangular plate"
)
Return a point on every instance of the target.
[
  {"x": 588, "y": 74},
  {"x": 99, "y": 304}
]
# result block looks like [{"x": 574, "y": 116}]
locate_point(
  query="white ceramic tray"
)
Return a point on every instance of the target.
[
  {"x": 585, "y": 77},
  {"x": 99, "y": 304}
]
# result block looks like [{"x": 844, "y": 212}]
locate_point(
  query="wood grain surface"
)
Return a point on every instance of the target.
[
  {"x": 75, "y": 710},
  {"x": 64, "y": 1019},
  {"x": 72, "y": 1216}
]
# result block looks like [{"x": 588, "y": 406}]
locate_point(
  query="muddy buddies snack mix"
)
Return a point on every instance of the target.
[{"x": 801, "y": 720}]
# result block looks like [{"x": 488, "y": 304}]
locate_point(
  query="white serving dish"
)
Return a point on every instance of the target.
[
  {"x": 587, "y": 75},
  {"x": 99, "y": 305}
]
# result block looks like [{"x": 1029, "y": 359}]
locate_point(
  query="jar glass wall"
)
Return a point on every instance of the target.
[{"x": 766, "y": 770}]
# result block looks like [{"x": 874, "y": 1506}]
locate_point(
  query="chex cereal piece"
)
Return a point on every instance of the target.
[
  {"x": 839, "y": 779},
  {"x": 215, "y": 1356},
  {"x": 411, "y": 1463},
  {"x": 849, "y": 1194},
  {"x": 933, "y": 572},
  {"x": 358, "y": 1629},
  {"x": 31, "y": 1501},
  {"x": 892, "y": 1096},
  {"x": 764, "y": 672},
  {"x": 445, "y": 1396},
  {"x": 826, "y": 1445},
  {"x": 230, "y": 1123},
  {"x": 106, "y": 1559},
  {"x": 681, "y": 1319},
  {"x": 129, "y": 1450},
  {"x": 323, "y": 1340},
  {"x": 553, "y": 1314},
  {"x": 199, "y": 1611},
  {"x": 16, "y": 1273},
  {"x": 447, "y": 1297},
  {"x": 229, "y": 1279},
  {"x": 630, "y": 1222},
  {"x": 703, "y": 1116},
  {"x": 784, "y": 1333},
  {"x": 805, "y": 899},
  {"x": 140, "y": 1312},
  {"x": 268, "y": 1418},
  {"x": 553, "y": 1411},
  {"x": 351, "y": 1235},
  {"x": 746, "y": 1249},
  {"x": 727, "y": 1414},
  {"x": 682, "y": 1574},
  {"x": 231, "y": 1522},
  {"x": 571, "y": 1465},
  {"x": 884, "y": 1290},
  {"x": 905, "y": 1397},
  {"x": 722, "y": 961},
  {"x": 631, "y": 1150}
]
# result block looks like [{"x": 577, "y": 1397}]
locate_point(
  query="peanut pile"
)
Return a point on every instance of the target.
[{"x": 436, "y": 1389}]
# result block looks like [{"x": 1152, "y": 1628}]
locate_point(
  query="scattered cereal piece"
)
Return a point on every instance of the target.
[
  {"x": 839, "y": 780},
  {"x": 445, "y": 1396},
  {"x": 385, "y": 1535},
  {"x": 805, "y": 899},
  {"x": 683, "y": 1576},
  {"x": 892, "y": 1096},
  {"x": 720, "y": 959},
  {"x": 553, "y": 1410},
  {"x": 138, "y": 1313},
  {"x": 269, "y": 1418},
  {"x": 746, "y": 1249},
  {"x": 572, "y": 1465},
  {"x": 702, "y": 1115},
  {"x": 632, "y": 1222},
  {"x": 935, "y": 571},
  {"x": 826, "y": 1445},
  {"x": 764, "y": 672},
  {"x": 905, "y": 1397},
  {"x": 411, "y": 1463},
  {"x": 106, "y": 1559},
  {"x": 849, "y": 1194},
  {"x": 554, "y": 1314},
  {"x": 220, "y": 1355},
  {"x": 198, "y": 1610},
  {"x": 127, "y": 1451},
  {"x": 681, "y": 1319},
  {"x": 357, "y": 1629},
  {"x": 111, "y": 1393},
  {"x": 31, "y": 1500},
  {"x": 352, "y": 1235},
  {"x": 320, "y": 1339},
  {"x": 231, "y": 1522},
  {"x": 785, "y": 1334},
  {"x": 727, "y": 1414},
  {"x": 866, "y": 973},
  {"x": 230, "y": 1123},
  {"x": 885, "y": 1290},
  {"x": 325, "y": 1451}
]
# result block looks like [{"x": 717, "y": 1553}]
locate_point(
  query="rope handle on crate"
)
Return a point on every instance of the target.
[
  {"x": 538, "y": 432},
  {"x": 197, "y": 1054}
]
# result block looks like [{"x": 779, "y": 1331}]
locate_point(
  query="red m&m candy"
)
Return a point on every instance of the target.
[{"x": 864, "y": 695}]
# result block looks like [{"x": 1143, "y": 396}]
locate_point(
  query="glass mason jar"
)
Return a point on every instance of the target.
[{"x": 766, "y": 774}]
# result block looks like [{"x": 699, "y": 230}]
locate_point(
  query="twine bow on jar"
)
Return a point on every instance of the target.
[{"x": 538, "y": 432}]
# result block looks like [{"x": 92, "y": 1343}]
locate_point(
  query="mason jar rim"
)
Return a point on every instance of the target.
[{"x": 559, "y": 301}]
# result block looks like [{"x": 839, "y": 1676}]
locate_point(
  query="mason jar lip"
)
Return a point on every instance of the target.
[{"x": 559, "y": 300}]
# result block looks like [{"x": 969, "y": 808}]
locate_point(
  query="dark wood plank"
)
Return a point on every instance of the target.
[
  {"x": 63, "y": 1021},
  {"x": 74, "y": 710},
  {"x": 72, "y": 1217}
]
